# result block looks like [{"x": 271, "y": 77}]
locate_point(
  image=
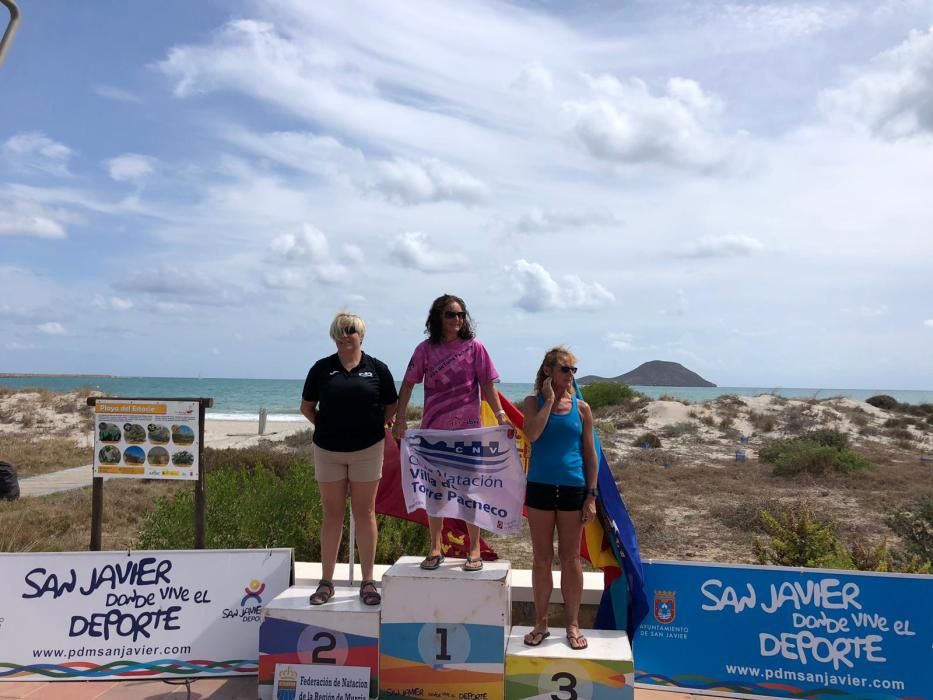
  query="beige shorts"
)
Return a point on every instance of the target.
[{"x": 362, "y": 465}]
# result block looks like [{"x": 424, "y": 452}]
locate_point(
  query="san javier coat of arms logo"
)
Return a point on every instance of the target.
[{"x": 665, "y": 606}]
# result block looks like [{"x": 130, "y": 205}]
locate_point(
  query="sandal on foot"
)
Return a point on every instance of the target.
[
  {"x": 577, "y": 642},
  {"x": 324, "y": 592},
  {"x": 368, "y": 593},
  {"x": 534, "y": 638},
  {"x": 432, "y": 562},
  {"x": 472, "y": 564}
]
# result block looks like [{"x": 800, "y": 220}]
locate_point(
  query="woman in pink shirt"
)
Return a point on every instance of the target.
[{"x": 455, "y": 369}]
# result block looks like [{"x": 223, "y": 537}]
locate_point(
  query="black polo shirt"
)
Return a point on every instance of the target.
[{"x": 350, "y": 405}]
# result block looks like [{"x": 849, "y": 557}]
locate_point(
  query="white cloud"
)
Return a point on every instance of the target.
[
  {"x": 182, "y": 285},
  {"x": 928, "y": 323},
  {"x": 407, "y": 182},
  {"x": 867, "y": 310},
  {"x": 33, "y": 150},
  {"x": 620, "y": 341},
  {"x": 624, "y": 123},
  {"x": 414, "y": 250},
  {"x": 534, "y": 78},
  {"x": 22, "y": 224},
  {"x": 724, "y": 247},
  {"x": 112, "y": 303},
  {"x": 538, "y": 291},
  {"x": 352, "y": 253},
  {"x": 51, "y": 328},
  {"x": 129, "y": 166},
  {"x": 309, "y": 245},
  {"x": 302, "y": 258},
  {"x": 893, "y": 96},
  {"x": 111, "y": 92},
  {"x": 537, "y": 220}
]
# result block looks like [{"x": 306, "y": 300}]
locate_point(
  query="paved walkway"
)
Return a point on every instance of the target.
[
  {"x": 215, "y": 688},
  {"x": 55, "y": 482}
]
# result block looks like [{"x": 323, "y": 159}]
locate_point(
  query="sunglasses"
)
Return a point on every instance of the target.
[
  {"x": 455, "y": 314},
  {"x": 349, "y": 330},
  {"x": 568, "y": 368}
]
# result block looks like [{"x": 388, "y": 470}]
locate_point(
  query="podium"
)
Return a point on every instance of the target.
[
  {"x": 443, "y": 632},
  {"x": 603, "y": 671},
  {"x": 342, "y": 632}
]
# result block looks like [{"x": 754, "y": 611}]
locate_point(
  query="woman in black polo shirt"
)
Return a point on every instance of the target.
[{"x": 350, "y": 397}]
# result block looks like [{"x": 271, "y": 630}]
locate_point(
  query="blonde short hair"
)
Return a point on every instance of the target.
[
  {"x": 344, "y": 320},
  {"x": 551, "y": 359}
]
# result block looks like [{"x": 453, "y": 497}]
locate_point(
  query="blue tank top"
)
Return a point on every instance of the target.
[{"x": 557, "y": 455}]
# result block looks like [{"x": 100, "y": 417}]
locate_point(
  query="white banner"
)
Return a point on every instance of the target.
[
  {"x": 318, "y": 682},
  {"x": 146, "y": 439},
  {"x": 475, "y": 475},
  {"x": 113, "y": 615}
]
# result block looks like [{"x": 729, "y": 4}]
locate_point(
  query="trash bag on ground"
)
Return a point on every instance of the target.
[{"x": 9, "y": 484}]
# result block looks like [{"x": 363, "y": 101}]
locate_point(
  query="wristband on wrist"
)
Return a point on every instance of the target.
[
  {"x": 500, "y": 412},
  {"x": 592, "y": 492}
]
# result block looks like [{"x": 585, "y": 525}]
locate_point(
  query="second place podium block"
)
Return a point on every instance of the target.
[
  {"x": 444, "y": 631},
  {"x": 342, "y": 632}
]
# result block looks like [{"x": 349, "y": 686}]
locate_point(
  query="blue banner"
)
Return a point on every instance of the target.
[{"x": 782, "y": 632}]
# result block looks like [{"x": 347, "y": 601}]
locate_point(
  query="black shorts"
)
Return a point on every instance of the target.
[{"x": 549, "y": 497}]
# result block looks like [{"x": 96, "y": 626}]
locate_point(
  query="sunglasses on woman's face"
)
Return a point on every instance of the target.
[
  {"x": 455, "y": 314},
  {"x": 349, "y": 331},
  {"x": 568, "y": 368}
]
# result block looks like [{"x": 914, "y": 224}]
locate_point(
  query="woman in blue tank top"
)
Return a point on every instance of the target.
[{"x": 561, "y": 491}]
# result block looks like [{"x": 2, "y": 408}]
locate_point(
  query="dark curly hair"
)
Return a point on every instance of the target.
[{"x": 434, "y": 326}]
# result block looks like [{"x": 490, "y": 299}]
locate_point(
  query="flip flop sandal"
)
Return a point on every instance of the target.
[
  {"x": 432, "y": 562},
  {"x": 579, "y": 640},
  {"x": 533, "y": 639},
  {"x": 368, "y": 593},
  {"x": 471, "y": 560},
  {"x": 324, "y": 592}
]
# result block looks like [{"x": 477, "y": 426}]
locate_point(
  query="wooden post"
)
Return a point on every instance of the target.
[
  {"x": 199, "y": 495},
  {"x": 263, "y": 414},
  {"x": 97, "y": 512}
]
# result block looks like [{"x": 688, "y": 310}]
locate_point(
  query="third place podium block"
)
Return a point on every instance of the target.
[
  {"x": 342, "y": 632},
  {"x": 602, "y": 671},
  {"x": 444, "y": 631}
]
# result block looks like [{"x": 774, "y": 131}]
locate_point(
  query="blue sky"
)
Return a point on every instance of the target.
[{"x": 196, "y": 187}]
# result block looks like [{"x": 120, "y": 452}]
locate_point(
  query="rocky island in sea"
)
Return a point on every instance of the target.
[{"x": 653, "y": 373}]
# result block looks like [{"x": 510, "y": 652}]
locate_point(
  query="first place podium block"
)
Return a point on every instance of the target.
[
  {"x": 444, "y": 631},
  {"x": 603, "y": 671},
  {"x": 342, "y": 632}
]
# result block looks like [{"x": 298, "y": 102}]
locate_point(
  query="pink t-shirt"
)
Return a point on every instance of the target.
[{"x": 452, "y": 374}]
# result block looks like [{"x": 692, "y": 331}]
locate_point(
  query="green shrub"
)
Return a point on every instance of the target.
[
  {"x": 762, "y": 421},
  {"x": 608, "y": 394},
  {"x": 816, "y": 452},
  {"x": 649, "y": 439},
  {"x": 264, "y": 506},
  {"x": 882, "y": 401},
  {"x": 914, "y": 525},
  {"x": 680, "y": 429},
  {"x": 797, "y": 538}
]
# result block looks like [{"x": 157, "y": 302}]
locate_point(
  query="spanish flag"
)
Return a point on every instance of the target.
[{"x": 608, "y": 542}]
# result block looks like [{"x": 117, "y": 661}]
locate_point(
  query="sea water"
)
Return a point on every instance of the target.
[{"x": 241, "y": 399}]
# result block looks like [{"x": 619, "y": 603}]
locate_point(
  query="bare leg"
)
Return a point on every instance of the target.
[
  {"x": 436, "y": 528},
  {"x": 334, "y": 502},
  {"x": 569, "y": 531},
  {"x": 363, "y": 507},
  {"x": 541, "y": 525},
  {"x": 474, "y": 533}
]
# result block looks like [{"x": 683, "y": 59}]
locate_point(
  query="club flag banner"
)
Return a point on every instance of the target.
[
  {"x": 390, "y": 500},
  {"x": 609, "y": 542},
  {"x": 475, "y": 475},
  {"x": 767, "y": 631},
  {"x": 68, "y": 616}
]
